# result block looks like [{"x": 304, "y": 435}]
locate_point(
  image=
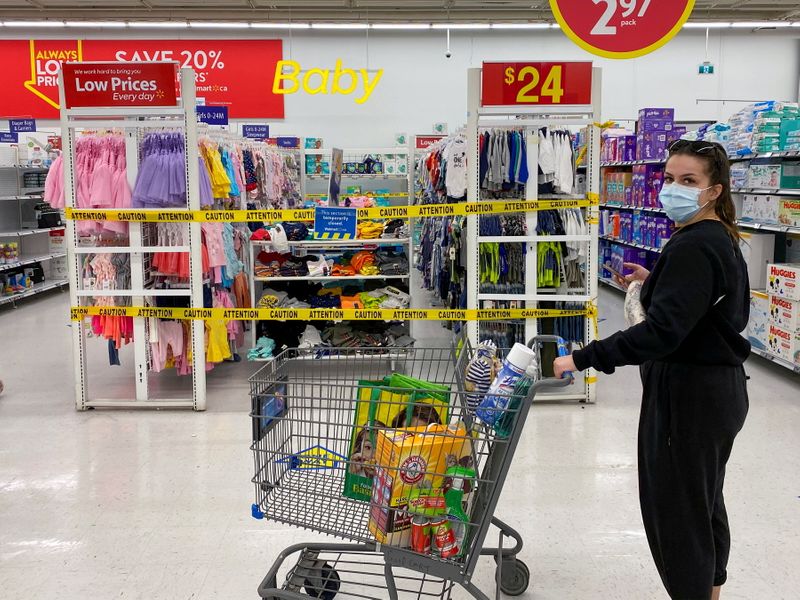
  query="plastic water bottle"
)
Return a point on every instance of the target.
[{"x": 500, "y": 394}]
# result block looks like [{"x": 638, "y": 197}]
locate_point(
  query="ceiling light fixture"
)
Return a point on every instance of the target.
[
  {"x": 218, "y": 25},
  {"x": 33, "y": 23},
  {"x": 460, "y": 26},
  {"x": 281, "y": 25},
  {"x": 158, "y": 24},
  {"x": 91, "y": 24},
  {"x": 401, "y": 26},
  {"x": 339, "y": 26},
  {"x": 710, "y": 25},
  {"x": 760, "y": 24},
  {"x": 522, "y": 25}
]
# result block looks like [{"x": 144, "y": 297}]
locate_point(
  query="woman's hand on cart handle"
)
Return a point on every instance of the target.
[
  {"x": 564, "y": 367},
  {"x": 639, "y": 274}
]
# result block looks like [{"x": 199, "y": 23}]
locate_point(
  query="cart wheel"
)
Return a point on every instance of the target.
[
  {"x": 326, "y": 585},
  {"x": 514, "y": 577}
]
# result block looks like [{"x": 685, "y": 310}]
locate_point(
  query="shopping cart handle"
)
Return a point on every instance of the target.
[{"x": 567, "y": 376}]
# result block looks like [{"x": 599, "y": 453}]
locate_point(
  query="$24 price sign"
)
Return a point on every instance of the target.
[
  {"x": 621, "y": 28},
  {"x": 536, "y": 83}
]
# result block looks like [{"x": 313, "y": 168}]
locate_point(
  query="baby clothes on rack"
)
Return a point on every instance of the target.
[
  {"x": 161, "y": 180},
  {"x": 556, "y": 162}
]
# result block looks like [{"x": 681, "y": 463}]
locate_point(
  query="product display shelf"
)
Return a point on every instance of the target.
[
  {"x": 315, "y": 186},
  {"x": 21, "y": 198},
  {"x": 766, "y": 192},
  {"x": 778, "y": 361},
  {"x": 530, "y": 119},
  {"x": 633, "y": 244},
  {"x": 27, "y": 232},
  {"x": 776, "y": 227},
  {"x": 37, "y": 288},
  {"x": 333, "y": 278},
  {"x": 631, "y": 163},
  {"x": 644, "y": 209},
  {"x": 29, "y": 260},
  {"x": 135, "y": 122}
]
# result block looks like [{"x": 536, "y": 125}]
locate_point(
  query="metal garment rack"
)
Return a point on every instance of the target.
[
  {"x": 530, "y": 119},
  {"x": 134, "y": 121}
]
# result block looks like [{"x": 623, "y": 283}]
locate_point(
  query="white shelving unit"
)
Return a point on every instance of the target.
[
  {"x": 316, "y": 186},
  {"x": 134, "y": 122},
  {"x": 531, "y": 119}
]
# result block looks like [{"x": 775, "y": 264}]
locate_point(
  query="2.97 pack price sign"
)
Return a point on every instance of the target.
[
  {"x": 535, "y": 83},
  {"x": 621, "y": 28}
]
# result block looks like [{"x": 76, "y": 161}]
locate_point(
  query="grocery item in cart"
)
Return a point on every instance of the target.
[
  {"x": 408, "y": 460},
  {"x": 481, "y": 371},
  {"x": 497, "y": 399},
  {"x": 396, "y": 401}
]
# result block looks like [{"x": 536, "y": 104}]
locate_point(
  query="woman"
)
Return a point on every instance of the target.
[{"x": 691, "y": 354}]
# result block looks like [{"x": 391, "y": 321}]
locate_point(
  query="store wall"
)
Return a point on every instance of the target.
[{"x": 421, "y": 86}]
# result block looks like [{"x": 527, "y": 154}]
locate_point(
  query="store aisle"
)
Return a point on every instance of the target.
[{"x": 155, "y": 505}]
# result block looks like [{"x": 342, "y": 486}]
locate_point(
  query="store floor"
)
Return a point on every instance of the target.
[{"x": 156, "y": 505}]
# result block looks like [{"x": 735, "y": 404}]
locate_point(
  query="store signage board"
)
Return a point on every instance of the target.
[
  {"x": 22, "y": 125},
  {"x": 335, "y": 223},
  {"x": 8, "y": 137},
  {"x": 93, "y": 84},
  {"x": 212, "y": 115},
  {"x": 255, "y": 132},
  {"x": 227, "y": 71},
  {"x": 536, "y": 83},
  {"x": 621, "y": 28},
  {"x": 422, "y": 142}
]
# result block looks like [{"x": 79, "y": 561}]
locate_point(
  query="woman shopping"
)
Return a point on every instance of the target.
[{"x": 690, "y": 353}]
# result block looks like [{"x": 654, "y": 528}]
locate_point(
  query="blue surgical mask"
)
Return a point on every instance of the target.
[{"x": 680, "y": 201}]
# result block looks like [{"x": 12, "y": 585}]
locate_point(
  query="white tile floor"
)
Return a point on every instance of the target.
[{"x": 155, "y": 505}]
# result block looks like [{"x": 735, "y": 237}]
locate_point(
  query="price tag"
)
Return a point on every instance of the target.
[
  {"x": 621, "y": 28},
  {"x": 536, "y": 83}
]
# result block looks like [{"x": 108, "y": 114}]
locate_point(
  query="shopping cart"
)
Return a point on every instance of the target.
[{"x": 319, "y": 427}]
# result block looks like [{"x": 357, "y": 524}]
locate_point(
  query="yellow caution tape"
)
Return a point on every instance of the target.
[
  {"x": 78, "y": 313},
  {"x": 387, "y": 212},
  {"x": 591, "y": 380}
]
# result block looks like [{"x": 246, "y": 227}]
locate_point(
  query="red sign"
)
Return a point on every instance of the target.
[
  {"x": 425, "y": 141},
  {"x": 232, "y": 73},
  {"x": 621, "y": 28},
  {"x": 120, "y": 84},
  {"x": 536, "y": 83}
]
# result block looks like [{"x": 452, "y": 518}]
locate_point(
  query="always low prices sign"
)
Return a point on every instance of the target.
[
  {"x": 232, "y": 73},
  {"x": 120, "y": 84},
  {"x": 621, "y": 28}
]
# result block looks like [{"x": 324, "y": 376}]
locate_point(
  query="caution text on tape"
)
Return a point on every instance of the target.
[
  {"x": 385, "y": 212},
  {"x": 78, "y": 313}
]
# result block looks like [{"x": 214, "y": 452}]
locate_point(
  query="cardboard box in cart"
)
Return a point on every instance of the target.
[{"x": 784, "y": 280}]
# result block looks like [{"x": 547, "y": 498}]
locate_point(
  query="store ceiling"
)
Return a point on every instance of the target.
[{"x": 373, "y": 11}]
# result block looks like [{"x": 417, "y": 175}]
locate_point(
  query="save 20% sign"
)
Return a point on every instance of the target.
[
  {"x": 562, "y": 83},
  {"x": 621, "y": 28}
]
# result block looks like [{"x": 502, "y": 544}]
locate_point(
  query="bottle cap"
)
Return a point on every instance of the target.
[{"x": 520, "y": 356}]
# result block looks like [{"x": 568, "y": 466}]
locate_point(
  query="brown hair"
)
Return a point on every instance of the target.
[{"x": 718, "y": 169}]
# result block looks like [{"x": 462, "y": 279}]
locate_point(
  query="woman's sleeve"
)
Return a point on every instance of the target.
[{"x": 682, "y": 295}]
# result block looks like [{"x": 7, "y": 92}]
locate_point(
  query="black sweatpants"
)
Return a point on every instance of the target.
[{"x": 690, "y": 417}]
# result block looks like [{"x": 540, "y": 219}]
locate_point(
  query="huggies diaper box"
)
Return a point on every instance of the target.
[
  {"x": 784, "y": 344},
  {"x": 789, "y": 212},
  {"x": 784, "y": 313},
  {"x": 784, "y": 280}
]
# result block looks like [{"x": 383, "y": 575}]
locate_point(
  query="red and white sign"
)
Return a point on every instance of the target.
[
  {"x": 422, "y": 142},
  {"x": 621, "y": 28},
  {"x": 120, "y": 84},
  {"x": 536, "y": 83},
  {"x": 232, "y": 73}
]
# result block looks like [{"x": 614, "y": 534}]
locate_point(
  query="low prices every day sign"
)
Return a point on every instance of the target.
[
  {"x": 120, "y": 84},
  {"x": 536, "y": 83},
  {"x": 621, "y": 28},
  {"x": 228, "y": 72}
]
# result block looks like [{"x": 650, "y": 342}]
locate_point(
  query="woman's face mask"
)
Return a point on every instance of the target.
[{"x": 681, "y": 202}]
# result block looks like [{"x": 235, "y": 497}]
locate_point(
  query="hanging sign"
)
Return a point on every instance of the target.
[
  {"x": 255, "y": 132},
  {"x": 22, "y": 125},
  {"x": 227, "y": 72},
  {"x": 621, "y": 28},
  {"x": 422, "y": 142},
  {"x": 536, "y": 83},
  {"x": 120, "y": 84},
  {"x": 335, "y": 223},
  {"x": 212, "y": 115},
  {"x": 8, "y": 137}
]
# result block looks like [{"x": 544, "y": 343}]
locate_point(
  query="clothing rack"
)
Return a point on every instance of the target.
[
  {"x": 529, "y": 119},
  {"x": 134, "y": 121}
]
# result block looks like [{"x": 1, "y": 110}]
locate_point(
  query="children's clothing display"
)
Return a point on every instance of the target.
[{"x": 503, "y": 160}]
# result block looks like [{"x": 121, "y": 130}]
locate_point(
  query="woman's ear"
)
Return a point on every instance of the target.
[{"x": 715, "y": 192}]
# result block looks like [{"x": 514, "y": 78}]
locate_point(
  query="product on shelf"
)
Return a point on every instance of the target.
[
  {"x": 766, "y": 176},
  {"x": 785, "y": 313},
  {"x": 784, "y": 280},
  {"x": 789, "y": 212},
  {"x": 784, "y": 344},
  {"x": 758, "y": 324}
]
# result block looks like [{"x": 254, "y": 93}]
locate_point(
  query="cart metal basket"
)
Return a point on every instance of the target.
[{"x": 368, "y": 447}]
